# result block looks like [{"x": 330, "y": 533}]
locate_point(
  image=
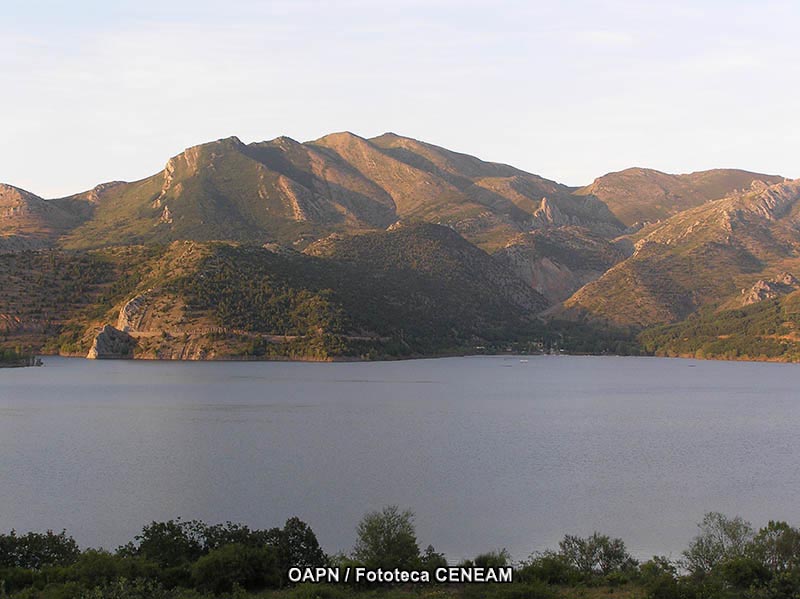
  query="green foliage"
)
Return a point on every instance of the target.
[
  {"x": 251, "y": 568},
  {"x": 127, "y": 589},
  {"x": 418, "y": 291},
  {"x": 319, "y": 591},
  {"x": 765, "y": 330},
  {"x": 297, "y": 546},
  {"x": 596, "y": 555},
  {"x": 777, "y": 547},
  {"x": 430, "y": 560},
  {"x": 34, "y": 551},
  {"x": 743, "y": 572},
  {"x": 218, "y": 535},
  {"x": 492, "y": 559},
  {"x": 549, "y": 567},
  {"x": 15, "y": 356},
  {"x": 659, "y": 577},
  {"x": 720, "y": 539},
  {"x": 168, "y": 544},
  {"x": 525, "y": 590},
  {"x": 250, "y": 296},
  {"x": 387, "y": 539},
  {"x": 192, "y": 560}
]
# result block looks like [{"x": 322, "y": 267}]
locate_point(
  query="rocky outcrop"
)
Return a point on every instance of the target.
[
  {"x": 133, "y": 312},
  {"x": 549, "y": 214},
  {"x": 647, "y": 195},
  {"x": 166, "y": 216},
  {"x": 280, "y": 250},
  {"x": 783, "y": 284},
  {"x": 771, "y": 202},
  {"x": 556, "y": 262},
  {"x": 111, "y": 343}
]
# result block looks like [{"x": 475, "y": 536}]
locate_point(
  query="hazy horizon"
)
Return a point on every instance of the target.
[{"x": 570, "y": 92}]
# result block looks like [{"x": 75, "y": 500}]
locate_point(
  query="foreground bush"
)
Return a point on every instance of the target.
[{"x": 178, "y": 559}]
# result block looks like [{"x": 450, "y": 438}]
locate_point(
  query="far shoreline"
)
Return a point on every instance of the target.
[{"x": 352, "y": 360}]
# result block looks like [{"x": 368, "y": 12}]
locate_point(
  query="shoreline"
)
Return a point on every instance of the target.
[{"x": 350, "y": 360}]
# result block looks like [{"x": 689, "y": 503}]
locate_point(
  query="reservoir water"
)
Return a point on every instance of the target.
[{"x": 489, "y": 452}]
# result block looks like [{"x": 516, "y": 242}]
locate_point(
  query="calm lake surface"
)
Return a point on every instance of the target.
[{"x": 489, "y": 452}]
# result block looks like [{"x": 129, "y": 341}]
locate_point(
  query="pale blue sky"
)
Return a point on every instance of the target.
[{"x": 95, "y": 91}]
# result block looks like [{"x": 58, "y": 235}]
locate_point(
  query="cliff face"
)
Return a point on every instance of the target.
[
  {"x": 557, "y": 261},
  {"x": 111, "y": 343},
  {"x": 784, "y": 284}
]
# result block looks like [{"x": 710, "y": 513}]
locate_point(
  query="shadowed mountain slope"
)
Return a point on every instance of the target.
[
  {"x": 556, "y": 262},
  {"x": 413, "y": 290},
  {"x": 765, "y": 330}
]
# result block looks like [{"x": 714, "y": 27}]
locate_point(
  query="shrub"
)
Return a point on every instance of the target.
[
  {"x": 548, "y": 567},
  {"x": 252, "y": 568}
]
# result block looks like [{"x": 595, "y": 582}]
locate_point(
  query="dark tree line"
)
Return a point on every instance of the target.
[{"x": 728, "y": 559}]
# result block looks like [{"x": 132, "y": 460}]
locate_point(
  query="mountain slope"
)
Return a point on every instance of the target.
[
  {"x": 556, "y": 262},
  {"x": 765, "y": 330},
  {"x": 226, "y": 190},
  {"x": 293, "y": 193},
  {"x": 414, "y": 290},
  {"x": 28, "y": 221},
  {"x": 699, "y": 257},
  {"x": 521, "y": 199},
  {"x": 438, "y": 257},
  {"x": 639, "y": 195}
]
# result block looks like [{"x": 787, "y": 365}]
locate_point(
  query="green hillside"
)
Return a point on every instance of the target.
[
  {"x": 413, "y": 290},
  {"x": 768, "y": 330}
]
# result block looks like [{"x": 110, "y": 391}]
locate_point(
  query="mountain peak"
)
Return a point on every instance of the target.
[
  {"x": 8, "y": 191},
  {"x": 224, "y": 142},
  {"x": 282, "y": 141},
  {"x": 339, "y": 137}
]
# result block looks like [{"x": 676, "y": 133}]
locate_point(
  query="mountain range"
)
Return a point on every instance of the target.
[{"x": 354, "y": 247}]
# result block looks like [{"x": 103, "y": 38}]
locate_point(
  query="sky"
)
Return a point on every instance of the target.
[{"x": 94, "y": 91}]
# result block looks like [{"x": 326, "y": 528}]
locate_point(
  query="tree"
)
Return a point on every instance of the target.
[
  {"x": 598, "y": 554},
  {"x": 431, "y": 560},
  {"x": 252, "y": 568},
  {"x": 169, "y": 544},
  {"x": 659, "y": 577},
  {"x": 492, "y": 559},
  {"x": 721, "y": 538},
  {"x": 548, "y": 567},
  {"x": 219, "y": 535},
  {"x": 777, "y": 547},
  {"x": 298, "y": 546},
  {"x": 37, "y": 550},
  {"x": 387, "y": 539}
]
